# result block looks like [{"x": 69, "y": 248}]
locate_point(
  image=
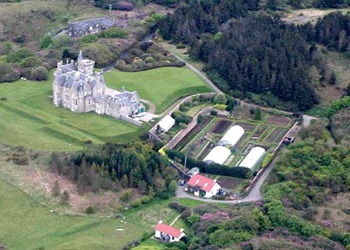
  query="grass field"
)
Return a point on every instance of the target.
[
  {"x": 161, "y": 86},
  {"x": 25, "y": 224},
  {"x": 29, "y": 118}
]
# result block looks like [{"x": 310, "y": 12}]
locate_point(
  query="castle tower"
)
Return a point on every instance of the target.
[
  {"x": 85, "y": 66},
  {"x": 100, "y": 85}
]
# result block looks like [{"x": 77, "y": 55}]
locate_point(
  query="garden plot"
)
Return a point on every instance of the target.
[
  {"x": 278, "y": 120},
  {"x": 276, "y": 135},
  {"x": 260, "y": 131},
  {"x": 220, "y": 126},
  {"x": 246, "y": 126}
]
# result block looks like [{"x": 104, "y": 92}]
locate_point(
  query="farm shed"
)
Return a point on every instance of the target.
[
  {"x": 232, "y": 136},
  {"x": 218, "y": 155},
  {"x": 253, "y": 158},
  {"x": 166, "y": 123}
]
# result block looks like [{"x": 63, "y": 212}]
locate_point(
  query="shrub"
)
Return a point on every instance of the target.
[
  {"x": 5, "y": 68},
  {"x": 89, "y": 38},
  {"x": 126, "y": 195},
  {"x": 30, "y": 62},
  {"x": 220, "y": 99},
  {"x": 46, "y": 42},
  {"x": 149, "y": 59},
  {"x": 19, "y": 55},
  {"x": 177, "y": 206},
  {"x": 213, "y": 112},
  {"x": 4, "y": 98},
  {"x": 56, "y": 190},
  {"x": 193, "y": 219},
  {"x": 145, "y": 199},
  {"x": 180, "y": 46},
  {"x": 39, "y": 74},
  {"x": 135, "y": 203},
  {"x": 90, "y": 210}
]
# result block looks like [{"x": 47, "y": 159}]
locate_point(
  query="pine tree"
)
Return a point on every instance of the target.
[
  {"x": 65, "y": 198},
  {"x": 56, "y": 190}
]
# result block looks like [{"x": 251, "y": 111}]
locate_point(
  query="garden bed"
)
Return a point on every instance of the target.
[
  {"x": 246, "y": 126},
  {"x": 192, "y": 133},
  {"x": 220, "y": 126},
  {"x": 278, "y": 120},
  {"x": 276, "y": 135}
]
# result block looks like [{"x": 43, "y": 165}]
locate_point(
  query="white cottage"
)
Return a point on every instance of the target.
[{"x": 168, "y": 233}]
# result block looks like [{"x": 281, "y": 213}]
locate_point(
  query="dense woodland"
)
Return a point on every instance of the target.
[
  {"x": 113, "y": 167},
  {"x": 257, "y": 53}
]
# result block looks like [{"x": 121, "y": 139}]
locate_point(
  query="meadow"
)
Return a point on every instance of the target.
[
  {"x": 29, "y": 118},
  {"x": 25, "y": 224},
  {"x": 162, "y": 86}
]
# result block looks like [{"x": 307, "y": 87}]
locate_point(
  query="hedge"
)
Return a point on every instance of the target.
[{"x": 217, "y": 169}]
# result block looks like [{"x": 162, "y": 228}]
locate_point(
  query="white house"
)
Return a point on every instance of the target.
[
  {"x": 168, "y": 233},
  {"x": 201, "y": 183},
  {"x": 166, "y": 123}
]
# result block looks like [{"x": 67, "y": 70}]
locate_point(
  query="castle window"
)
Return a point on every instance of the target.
[{"x": 76, "y": 102}]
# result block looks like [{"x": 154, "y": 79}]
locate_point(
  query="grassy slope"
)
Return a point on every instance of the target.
[
  {"x": 160, "y": 86},
  {"x": 29, "y": 118},
  {"x": 25, "y": 224}
]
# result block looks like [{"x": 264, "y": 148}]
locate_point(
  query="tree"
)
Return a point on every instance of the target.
[
  {"x": 333, "y": 79},
  {"x": 56, "y": 190},
  {"x": 172, "y": 186},
  {"x": 125, "y": 181},
  {"x": 257, "y": 114},
  {"x": 65, "y": 198}
]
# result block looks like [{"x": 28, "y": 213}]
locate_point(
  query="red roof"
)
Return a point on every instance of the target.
[
  {"x": 202, "y": 182},
  {"x": 172, "y": 231}
]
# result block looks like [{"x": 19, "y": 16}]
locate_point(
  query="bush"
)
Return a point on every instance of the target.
[
  {"x": 5, "y": 68},
  {"x": 39, "y": 74},
  {"x": 257, "y": 114},
  {"x": 4, "y": 98},
  {"x": 19, "y": 55},
  {"x": 46, "y": 42},
  {"x": 180, "y": 46},
  {"x": 149, "y": 59},
  {"x": 220, "y": 99},
  {"x": 213, "y": 112},
  {"x": 89, "y": 38},
  {"x": 193, "y": 219},
  {"x": 145, "y": 199},
  {"x": 30, "y": 62},
  {"x": 135, "y": 203},
  {"x": 90, "y": 210},
  {"x": 177, "y": 206},
  {"x": 126, "y": 195}
]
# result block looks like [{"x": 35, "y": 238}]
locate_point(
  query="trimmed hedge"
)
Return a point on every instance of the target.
[{"x": 217, "y": 169}]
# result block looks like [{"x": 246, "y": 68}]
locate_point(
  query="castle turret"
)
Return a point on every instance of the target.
[{"x": 85, "y": 66}]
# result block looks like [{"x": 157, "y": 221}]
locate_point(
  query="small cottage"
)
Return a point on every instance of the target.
[{"x": 168, "y": 233}]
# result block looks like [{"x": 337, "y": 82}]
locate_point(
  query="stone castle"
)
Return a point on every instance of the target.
[{"x": 77, "y": 88}]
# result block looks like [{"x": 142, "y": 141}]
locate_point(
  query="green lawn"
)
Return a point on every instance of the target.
[
  {"x": 162, "y": 86},
  {"x": 29, "y": 118},
  {"x": 25, "y": 224}
]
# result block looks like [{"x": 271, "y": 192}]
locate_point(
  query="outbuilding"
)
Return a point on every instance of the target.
[
  {"x": 218, "y": 155},
  {"x": 253, "y": 158},
  {"x": 232, "y": 136},
  {"x": 168, "y": 233},
  {"x": 166, "y": 123}
]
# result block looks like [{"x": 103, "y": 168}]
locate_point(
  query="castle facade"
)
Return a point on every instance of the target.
[{"x": 78, "y": 88}]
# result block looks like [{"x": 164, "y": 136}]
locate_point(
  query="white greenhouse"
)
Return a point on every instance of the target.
[
  {"x": 232, "y": 136},
  {"x": 218, "y": 155},
  {"x": 166, "y": 123},
  {"x": 253, "y": 158}
]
